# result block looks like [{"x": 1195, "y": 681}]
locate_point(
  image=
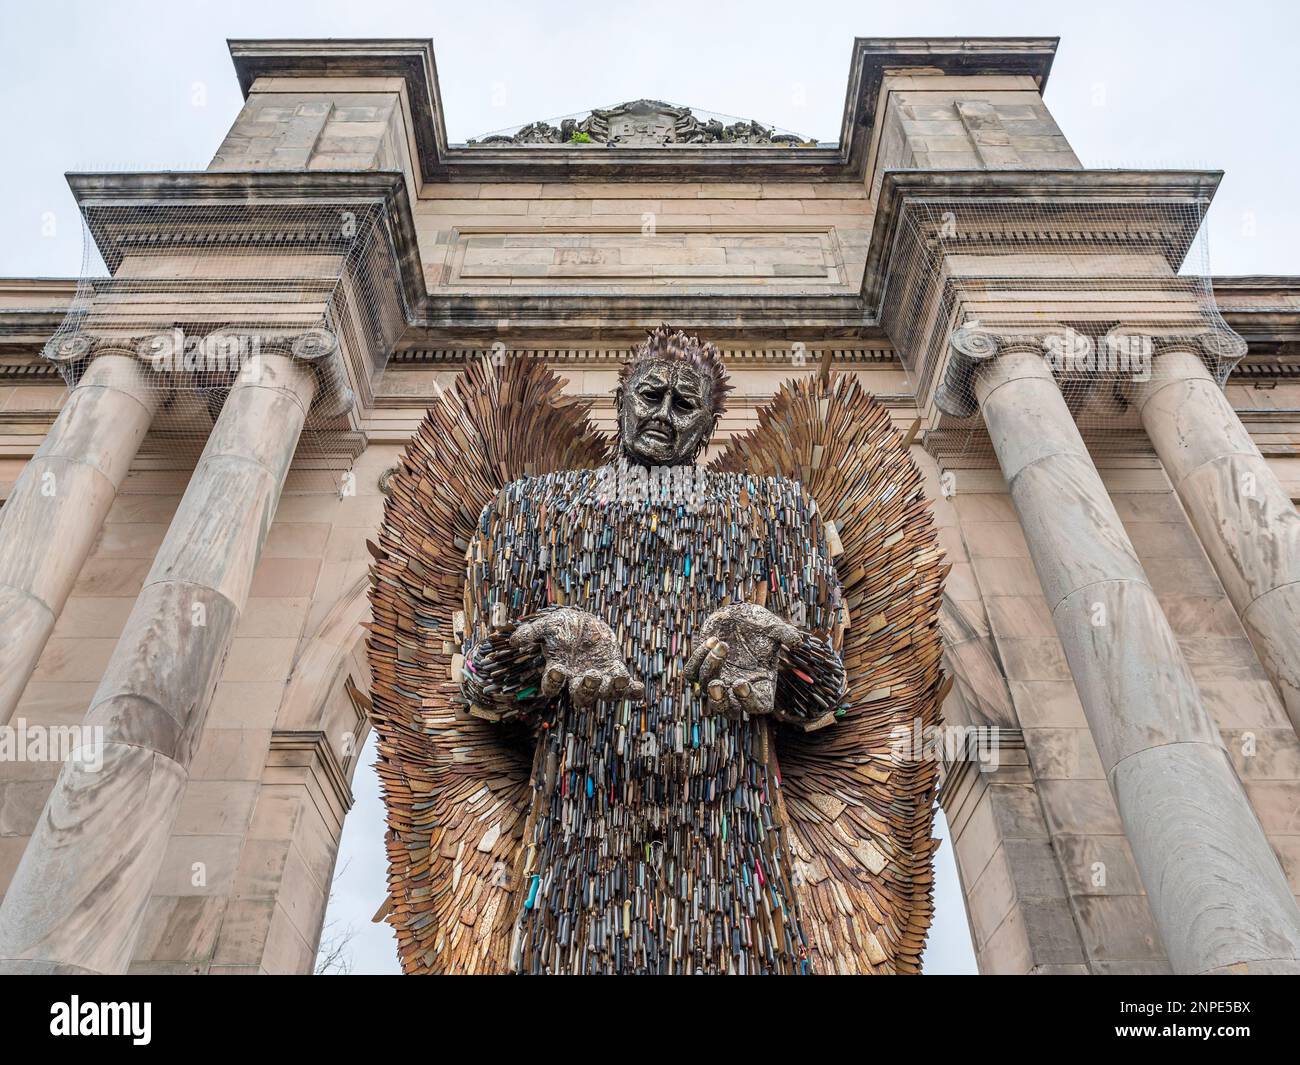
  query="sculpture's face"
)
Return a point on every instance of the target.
[{"x": 665, "y": 415}]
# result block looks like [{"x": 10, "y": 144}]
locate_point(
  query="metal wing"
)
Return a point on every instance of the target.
[
  {"x": 455, "y": 787},
  {"x": 860, "y": 819}
]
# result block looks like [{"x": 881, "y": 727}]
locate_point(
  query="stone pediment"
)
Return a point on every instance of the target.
[{"x": 644, "y": 124}]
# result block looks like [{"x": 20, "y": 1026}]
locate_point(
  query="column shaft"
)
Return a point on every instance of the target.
[
  {"x": 1243, "y": 516},
  {"x": 1216, "y": 890},
  {"x": 80, "y": 891},
  {"x": 57, "y": 507}
]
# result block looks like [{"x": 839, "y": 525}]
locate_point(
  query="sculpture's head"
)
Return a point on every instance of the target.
[{"x": 670, "y": 395}]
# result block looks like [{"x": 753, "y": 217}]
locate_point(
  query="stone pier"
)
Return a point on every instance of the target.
[
  {"x": 1216, "y": 890},
  {"x": 102, "y": 834}
]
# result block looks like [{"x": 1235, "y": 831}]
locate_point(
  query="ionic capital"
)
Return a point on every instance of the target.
[
  {"x": 1156, "y": 357},
  {"x": 101, "y": 360},
  {"x": 972, "y": 347},
  {"x": 188, "y": 360},
  {"x": 1219, "y": 348}
]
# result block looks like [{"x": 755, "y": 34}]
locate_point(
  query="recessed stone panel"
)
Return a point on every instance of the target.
[{"x": 653, "y": 254}]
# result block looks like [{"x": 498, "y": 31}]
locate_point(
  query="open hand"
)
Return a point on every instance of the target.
[
  {"x": 580, "y": 652},
  {"x": 738, "y": 656}
]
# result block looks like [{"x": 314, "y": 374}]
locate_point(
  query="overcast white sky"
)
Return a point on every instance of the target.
[{"x": 149, "y": 85}]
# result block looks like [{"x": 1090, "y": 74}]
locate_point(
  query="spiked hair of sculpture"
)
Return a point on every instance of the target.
[{"x": 666, "y": 344}]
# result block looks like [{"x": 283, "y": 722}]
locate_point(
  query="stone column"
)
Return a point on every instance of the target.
[
  {"x": 56, "y": 509},
  {"x": 1243, "y": 516},
  {"x": 79, "y": 893},
  {"x": 1215, "y": 887}
]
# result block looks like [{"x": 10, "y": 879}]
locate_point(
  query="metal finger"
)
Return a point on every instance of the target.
[
  {"x": 582, "y": 693},
  {"x": 553, "y": 681},
  {"x": 717, "y": 692},
  {"x": 787, "y": 635},
  {"x": 743, "y": 694},
  {"x": 591, "y": 681},
  {"x": 528, "y": 635},
  {"x": 713, "y": 661},
  {"x": 697, "y": 657}
]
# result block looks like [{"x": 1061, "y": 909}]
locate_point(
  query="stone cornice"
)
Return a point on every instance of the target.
[
  {"x": 579, "y": 315},
  {"x": 40, "y": 371},
  {"x": 1163, "y": 192},
  {"x": 249, "y": 196},
  {"x": 558, "y": 354},
  {"x": 938, "y": 234},
  {"x": 413, "y": 61},
  {"x": 1263, "y": 309}
]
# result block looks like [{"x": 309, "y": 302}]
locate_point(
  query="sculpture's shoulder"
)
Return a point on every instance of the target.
[
  {"x": 784, "y": 487},
  {"x": 555, "y": 490},
  {"x": 790, "y": 506},
  {"x": 557, "y": 483},
  {"x": 784, "y": 494}
]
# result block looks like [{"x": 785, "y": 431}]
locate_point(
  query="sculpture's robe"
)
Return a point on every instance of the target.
[{"x": 656, "y": 839}]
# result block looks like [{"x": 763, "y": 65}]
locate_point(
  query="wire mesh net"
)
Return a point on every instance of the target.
[
  {"x": 1099, "y": 289},
  {"x": 194, "y": 295}
]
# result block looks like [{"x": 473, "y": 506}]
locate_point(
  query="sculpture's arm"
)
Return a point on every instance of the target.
[
  {"x": 812, "y": 684},
  {"x": 500, "y": 680},
  {"x": 520, "y": 652}
]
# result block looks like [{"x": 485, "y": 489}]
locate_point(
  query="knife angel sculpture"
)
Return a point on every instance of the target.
[{"x": 638, "y": 715}]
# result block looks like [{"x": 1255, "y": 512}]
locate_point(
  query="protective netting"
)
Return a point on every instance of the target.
[
  {"x": 195, "y": 294},
  {"x": 1100, "y": 289}
]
